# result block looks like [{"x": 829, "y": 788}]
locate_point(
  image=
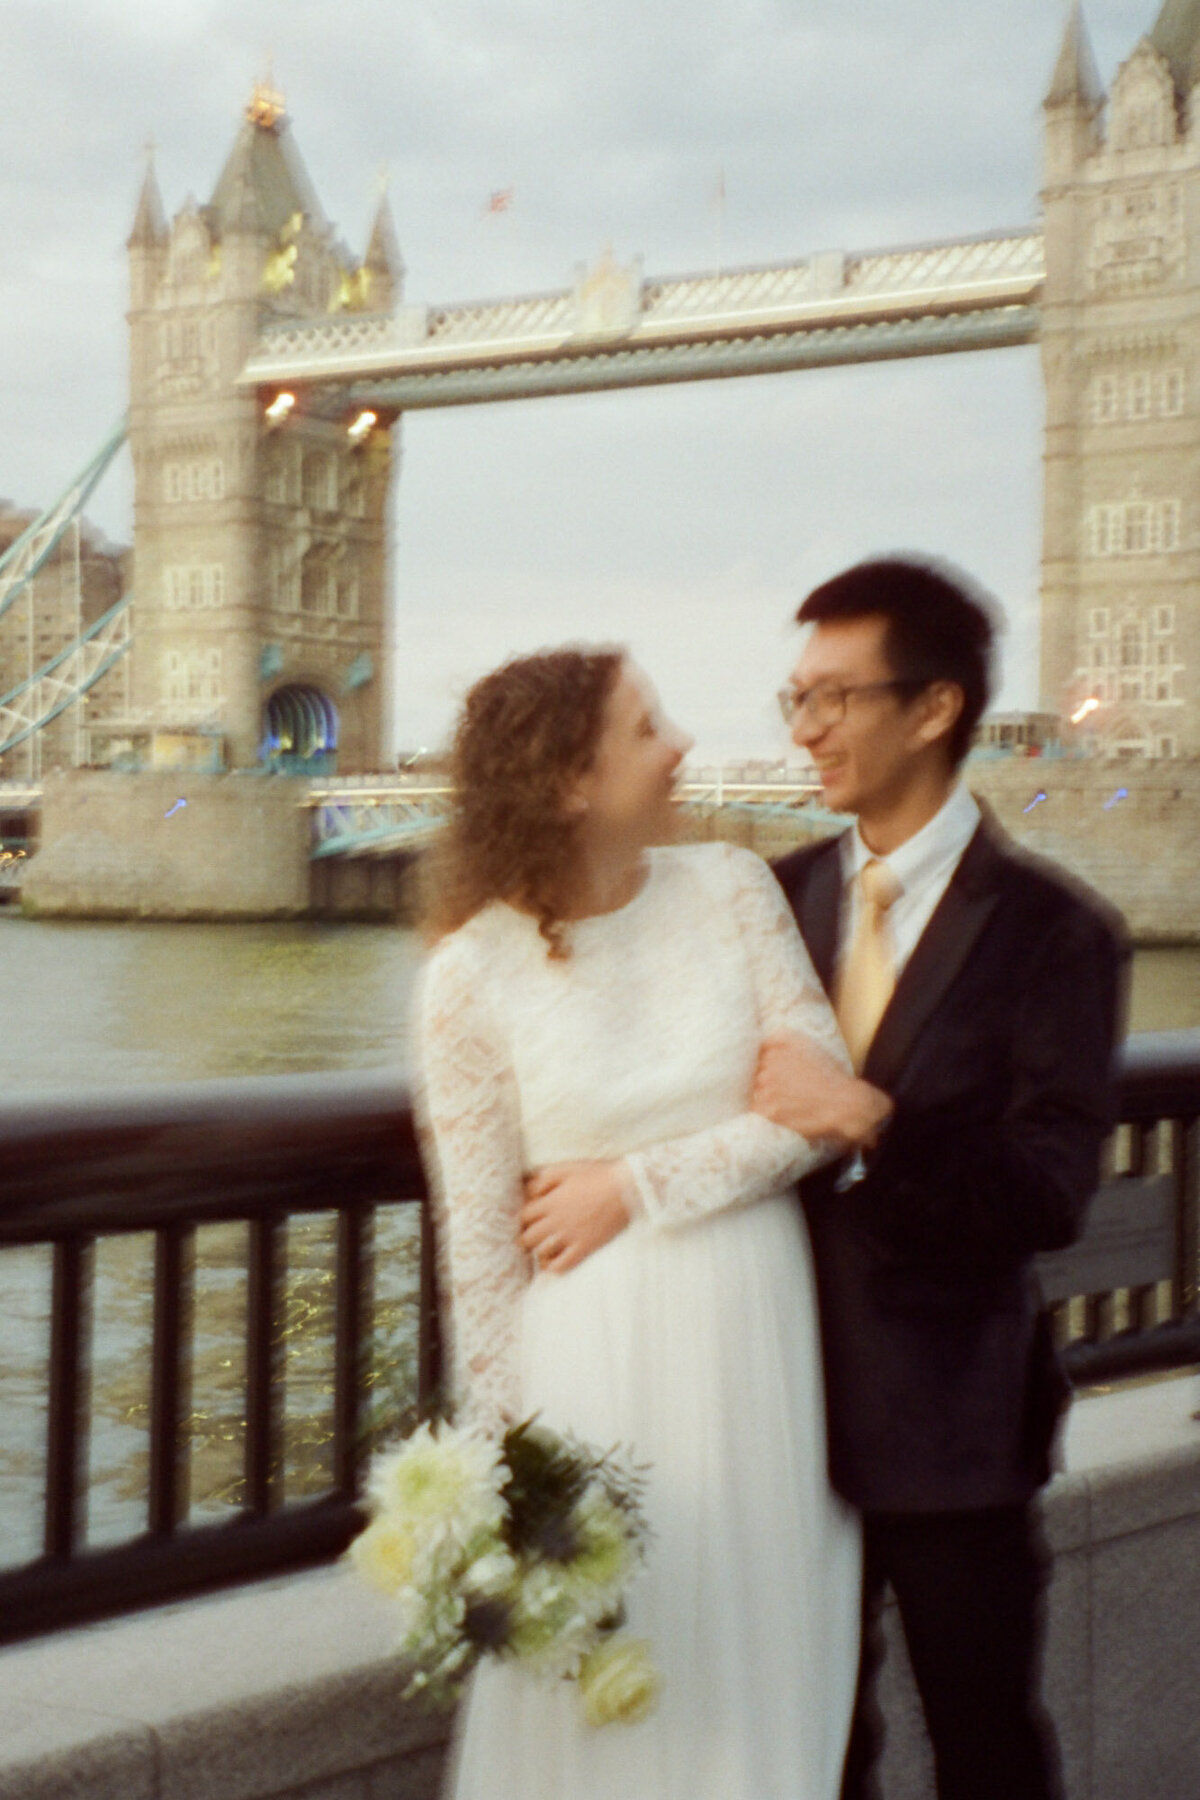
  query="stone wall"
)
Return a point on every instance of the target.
[
  {"x": 240, "y": 846},
  {"x": 1141, "y": 852},
  {"x": 286, "y": 1691},
  {"x": 170, "y": 846}
]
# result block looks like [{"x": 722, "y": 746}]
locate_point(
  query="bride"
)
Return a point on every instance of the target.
[{"x": 593, "y": 999}]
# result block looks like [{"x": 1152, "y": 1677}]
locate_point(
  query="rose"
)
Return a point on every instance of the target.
[
  {"x": 618, "y": 1682},
  {"x": 383, "y": 1556}
]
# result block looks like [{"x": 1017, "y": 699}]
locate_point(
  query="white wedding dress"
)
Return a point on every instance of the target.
[{"x": 691, "y": 1338}]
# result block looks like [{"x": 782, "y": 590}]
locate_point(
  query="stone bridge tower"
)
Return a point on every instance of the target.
[
  {"x": 261, "y": 542},
  {"x": 1121, "y": 356}
]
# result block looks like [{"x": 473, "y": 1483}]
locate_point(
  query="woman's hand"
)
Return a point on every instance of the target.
[
  {"x": 572, "y": 1210},
  {"x": 800, "y": 1086}
]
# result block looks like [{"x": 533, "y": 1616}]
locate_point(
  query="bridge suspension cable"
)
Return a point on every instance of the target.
[
  {"x": 38, "y": 542},
  {"x": 58, "y": 684}
]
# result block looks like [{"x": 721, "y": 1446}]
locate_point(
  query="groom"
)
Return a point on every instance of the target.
[{"x": 980, "y": 993}]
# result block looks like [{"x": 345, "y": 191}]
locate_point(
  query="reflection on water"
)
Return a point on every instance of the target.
[
  {"x": 124, "y": 1005},
  {"x": 214, "y": 1413}
]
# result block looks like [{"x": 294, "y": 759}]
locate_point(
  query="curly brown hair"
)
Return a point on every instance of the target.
[{"x": 525, "y": 733}]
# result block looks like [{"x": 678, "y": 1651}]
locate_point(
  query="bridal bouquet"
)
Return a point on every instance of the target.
[{"x": 523, "y": 1548}]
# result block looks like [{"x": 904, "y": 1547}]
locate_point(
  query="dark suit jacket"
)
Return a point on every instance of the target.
[{"x": 997, "y": 1047}]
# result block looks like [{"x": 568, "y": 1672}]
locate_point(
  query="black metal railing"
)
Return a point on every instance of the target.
[
  {"x": 77, "y": 1174},
  {"x": 1125, "y": 1296},
  {"x": 172, "y": 1161}
]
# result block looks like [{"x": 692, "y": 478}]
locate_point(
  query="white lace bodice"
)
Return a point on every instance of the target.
[{"x": 641, "y": 1046}]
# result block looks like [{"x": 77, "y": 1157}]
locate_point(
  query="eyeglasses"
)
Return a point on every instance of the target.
[{"x": 824, "y": 703}]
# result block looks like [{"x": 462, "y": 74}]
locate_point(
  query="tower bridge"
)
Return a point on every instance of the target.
[
  {"x": 270, "y": 370},
  {"x": 616, "y": 329}
]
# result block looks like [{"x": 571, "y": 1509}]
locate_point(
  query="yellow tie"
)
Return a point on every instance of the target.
[{"x": 867, "y": 976}]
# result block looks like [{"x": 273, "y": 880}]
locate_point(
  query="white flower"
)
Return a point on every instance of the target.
[
  {"x": 493, "y": 1572},
  {"x": 551, "y": 1628},
  {"x": 608, "y": 1554},
  {"x": 441, "y": 1483}
]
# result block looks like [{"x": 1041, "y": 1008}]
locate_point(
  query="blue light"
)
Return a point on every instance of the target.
[
  {"x": 1121, "y": 794},
  {"x": 1036, "y": 801},
  {"x": 171, "y": 810}
]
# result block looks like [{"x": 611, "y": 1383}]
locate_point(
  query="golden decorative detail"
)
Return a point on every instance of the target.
[
  {"x": 279, "y": 270},
  {"x": 353, "y": 290},
  {"x": 266, "y": 107}
]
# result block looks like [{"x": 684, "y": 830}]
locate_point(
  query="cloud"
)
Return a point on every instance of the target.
[{"x": 695, "y": 515}]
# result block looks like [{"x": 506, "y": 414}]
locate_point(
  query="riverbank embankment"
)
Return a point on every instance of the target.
[{"x": 217, "y": 847}]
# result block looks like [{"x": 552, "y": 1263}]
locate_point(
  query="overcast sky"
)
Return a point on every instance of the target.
[{"x": 686, "y": 522}]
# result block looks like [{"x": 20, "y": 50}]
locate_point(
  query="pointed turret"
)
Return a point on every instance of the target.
[
  {"x": 383, "y": 262},
  {"x": 264, "y": 183},
  {"x": 150, "y": 221},
  {"x": 1076, "y": 80},
  {"x": 1073, "y": 103},
  {"x": 1176, "y": 36}
]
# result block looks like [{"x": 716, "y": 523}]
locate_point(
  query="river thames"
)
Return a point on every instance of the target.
[{"x": 119, "y": 1005}]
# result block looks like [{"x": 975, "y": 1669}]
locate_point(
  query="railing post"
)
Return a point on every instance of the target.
[
  {"x": 354, "y": 1312},
  {"x": 67, "y": 1423},
  {"x": 429, "y": 1343},
  {"x": 170, "y": 1395},
  {"x": 1186, "y": 1158},
  {"x": 264, "y": 1365}
]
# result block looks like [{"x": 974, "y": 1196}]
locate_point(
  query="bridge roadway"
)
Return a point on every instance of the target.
[
  {"x": 615, "y": 328},
  {"x": 366, "y": 816}
]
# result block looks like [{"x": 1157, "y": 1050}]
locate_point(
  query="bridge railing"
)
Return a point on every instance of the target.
[
  {"x": 257, "y": 1157},
  {"x": 173, "y": 1165}
]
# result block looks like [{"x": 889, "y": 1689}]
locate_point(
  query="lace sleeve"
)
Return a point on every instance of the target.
[
  {"x": 743, "y": 1159},
  {"x": 471, "y": 1136}
]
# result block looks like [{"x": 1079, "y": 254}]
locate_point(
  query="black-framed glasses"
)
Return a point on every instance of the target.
[{"x": 824, "y": 703}]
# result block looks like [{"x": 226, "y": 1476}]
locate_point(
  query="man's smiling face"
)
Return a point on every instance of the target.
[{"x": 866, "y": 759}]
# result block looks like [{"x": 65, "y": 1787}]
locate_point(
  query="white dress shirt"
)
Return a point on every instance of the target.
[{"x": 923, "y": 865}]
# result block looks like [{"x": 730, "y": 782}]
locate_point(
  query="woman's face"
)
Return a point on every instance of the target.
[{"x": 626, "y": 794}]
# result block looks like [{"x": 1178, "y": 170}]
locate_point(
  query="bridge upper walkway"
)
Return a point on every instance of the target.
[{"x": 615, "y": 328}]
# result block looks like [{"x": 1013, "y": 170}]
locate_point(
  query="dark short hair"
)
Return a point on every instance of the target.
[{"x": 940, "y": 627}]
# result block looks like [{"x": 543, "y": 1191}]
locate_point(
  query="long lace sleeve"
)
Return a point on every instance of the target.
[
  {"x": 471, "y": 1136},
  {"x": 745, "y": 1158}
]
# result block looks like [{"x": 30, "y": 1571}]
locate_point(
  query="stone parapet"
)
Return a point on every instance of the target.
[
  {"x": 282, "y": 1689},
  {"x": 286, "y": 1690}
]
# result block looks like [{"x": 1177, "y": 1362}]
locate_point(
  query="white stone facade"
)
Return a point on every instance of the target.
[
  {"x": 1121, "y": 359},
  {"x": 260, "y": 548}
]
